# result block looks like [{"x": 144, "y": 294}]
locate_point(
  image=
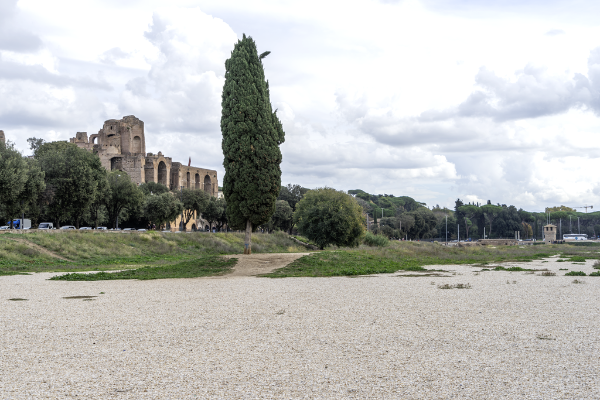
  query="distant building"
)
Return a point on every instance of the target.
[
  {"x": 121, "y": 145},
  {"x": 549, "y": 234}
]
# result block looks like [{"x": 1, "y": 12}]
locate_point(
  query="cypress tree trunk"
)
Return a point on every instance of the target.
[
  {"x": 252, "y": 134},
  {"x": 248, "y": 238}
]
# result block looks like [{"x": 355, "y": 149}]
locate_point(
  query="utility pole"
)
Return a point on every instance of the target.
[
  {"x": 446, "y": 229},
  {"x": 458, "y": 235},
  {"x": 578, "y": 227}
]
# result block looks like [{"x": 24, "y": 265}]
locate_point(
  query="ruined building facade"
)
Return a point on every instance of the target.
[{"x": 121, "y": 145}]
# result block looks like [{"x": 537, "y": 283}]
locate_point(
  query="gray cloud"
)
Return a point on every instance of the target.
[
  {"x": 12, "y": 36},
  {"x": 113, "y": 55},
  {"x": 555, "y": 32}
]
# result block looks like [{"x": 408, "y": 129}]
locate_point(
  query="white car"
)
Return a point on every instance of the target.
[
  {"x": 102, "y": 228},
  {"x": 4, "y": 227},
  {"x": 141, "y": 230},
  {"x": 85, "y": 228},
  {"x": 46, "y": 225},
  {"x": 129, "y": 229},
  {"x": 67, "y": 227}
]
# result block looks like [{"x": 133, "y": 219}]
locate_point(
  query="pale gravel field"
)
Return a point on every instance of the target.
[{"x": 381, "y": 337}]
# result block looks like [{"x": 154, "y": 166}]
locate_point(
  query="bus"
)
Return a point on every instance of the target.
[{"x": 575, "y": 236}]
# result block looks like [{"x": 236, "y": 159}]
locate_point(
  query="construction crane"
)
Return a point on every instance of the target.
[{"x": 586, "y": 207}]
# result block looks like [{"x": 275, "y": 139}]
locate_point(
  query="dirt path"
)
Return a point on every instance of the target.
[
  {"x": 254, "y": 264},
  {"x": 39, "y": 248}
]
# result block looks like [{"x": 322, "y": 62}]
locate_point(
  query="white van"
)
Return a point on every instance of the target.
[{"x": 46, "y": 225}]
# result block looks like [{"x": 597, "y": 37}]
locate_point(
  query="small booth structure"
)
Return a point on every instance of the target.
[{"x": 549, "y": 234}]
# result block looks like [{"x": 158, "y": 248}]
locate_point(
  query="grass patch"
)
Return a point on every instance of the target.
[
  {"x": 106, "y": 251},
  {"x": 342, "y": 263},
  {"x": 595, "y": 273},
  {"x": 576, "y": 273},
  {"x": 577, "y": 281},
  {"x": 376, "y": 240},
  {"x": 205, "y": 266},
  {"x": 548, "y": 273}
]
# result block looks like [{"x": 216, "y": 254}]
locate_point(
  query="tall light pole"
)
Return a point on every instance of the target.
[{"x": 578, "y": 227}]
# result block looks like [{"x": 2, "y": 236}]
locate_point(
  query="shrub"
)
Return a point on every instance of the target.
[
  {"x": 597, "y": 264},
  {"x": 577, "y": 259},
  {"x": 595, "y": 273},
  {"x": 327, "y": 216},
  {"x": 376, "y": 240},
  {"x": 576, "y": 273},
  {"x": 548, "y": 273}
]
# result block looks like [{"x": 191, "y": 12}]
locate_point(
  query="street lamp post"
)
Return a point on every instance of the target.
[
  {"x": 446, "y": 229},
  {"x": 578, "y": 227}
]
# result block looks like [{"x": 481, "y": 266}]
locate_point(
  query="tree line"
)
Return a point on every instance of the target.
[{"x": 67, "y": 185}]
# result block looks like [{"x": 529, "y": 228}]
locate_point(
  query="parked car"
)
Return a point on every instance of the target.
[
  {"x": 4, "y": 227},
  {"x": 85, "y": 228},
  {"x": 142, "y": 230},
  {"x": 67, "y": 227},
  {"x": 129, "y": 229},
  {"x": 46, "y": 225},
  {"x": 102, "y": 228}
]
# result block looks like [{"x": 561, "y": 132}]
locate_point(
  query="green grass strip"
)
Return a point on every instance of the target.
[
  {"x": 204, "y": 266},
  {"x": 343, "y": 263}
]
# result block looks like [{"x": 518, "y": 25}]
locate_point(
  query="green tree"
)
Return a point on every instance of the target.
[
  {"x": 214, "y": 211},
  {"x": 122, "y": 194},
  {"x": 153, "y": 188},
  {"x": 162, "y": 208},
  {"x": 13, "y": 180},
  {"x": 252, "y": 134},
  {"x": 72, "y": 175},
  {"x": 292, "y": 194},
  {"x": 468, "y": 213},
  {"x": 195, "y": 202},
  {"x": 327, "y": 216},
  {"x": 490, "y": 212}
]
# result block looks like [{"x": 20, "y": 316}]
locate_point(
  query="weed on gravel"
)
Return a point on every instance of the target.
[
  {"x": 548, "y": 273},
  {"x": 456, "y": 286},
  {"x": 576, "y": 273}
]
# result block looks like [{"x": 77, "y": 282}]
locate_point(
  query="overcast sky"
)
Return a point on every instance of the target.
[{"x": 434, "y": 99}]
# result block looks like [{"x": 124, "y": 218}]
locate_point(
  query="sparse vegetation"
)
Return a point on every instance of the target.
[
  {"x": 576, "y": 273},
  {"x": 596, "y": 264},
  {"x": 548, "y": 273},
  {"x": 595, "y": 273},
  {"x": 456, "y": 286},
  {"x": 577, "y": 281}
]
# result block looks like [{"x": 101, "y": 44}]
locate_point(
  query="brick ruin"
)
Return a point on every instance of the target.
[{"x": 121, "y": 145}]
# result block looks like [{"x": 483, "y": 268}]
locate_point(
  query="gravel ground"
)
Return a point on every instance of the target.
[{"x": 512, "y": 335}]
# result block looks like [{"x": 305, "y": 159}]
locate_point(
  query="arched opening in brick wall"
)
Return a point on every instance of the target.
[
  {"x": 187, "y": 180},
  {"x": 207, "y": 184},
  {"x": 197, "y": 181},
  {"x": 163, "y": 176},
  {"x": 137, "y": 145}
]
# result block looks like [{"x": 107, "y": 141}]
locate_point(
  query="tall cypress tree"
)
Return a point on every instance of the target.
[{"x": 252, "y": 134}]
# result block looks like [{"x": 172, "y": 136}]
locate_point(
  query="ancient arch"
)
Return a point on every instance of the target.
[
  {"x": 149, "y": 173},
  {"x": 197, "y": 181},
  {"x": 188, "y": 180},
  {"x": 116, "y": 163},
  {"x": 207, "y": 184},
  {"x": 137, "y": 145},
  {"x": 163, "y": 174}
]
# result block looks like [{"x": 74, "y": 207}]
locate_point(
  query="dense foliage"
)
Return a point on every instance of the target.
[
  {"x": 327, "y": 216},
  {"x": 252, "y": 134}
]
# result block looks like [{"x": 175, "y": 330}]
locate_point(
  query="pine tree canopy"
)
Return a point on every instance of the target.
[{"x": 252, "y": 134}]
